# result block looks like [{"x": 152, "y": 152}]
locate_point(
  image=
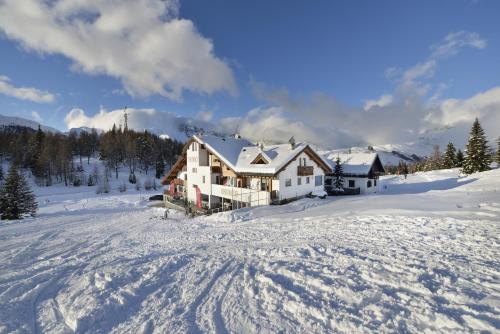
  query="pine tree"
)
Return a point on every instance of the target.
[
  {"x": 459, "y": 158},
  {"x": 338, "y": 181},
  {"x": 16, "y": 199},
  {"x": 34, "y": 152},
  {"x": 450, "y": 159},
  {"x": 497, "y": 156},
  {"x": 160, "y": 167},
  {"x": 477, "y": 155}
]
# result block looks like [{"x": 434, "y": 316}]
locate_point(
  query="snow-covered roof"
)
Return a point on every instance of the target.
[
  {"x": 227, "y": 148},
  {"x": 358, "y": 163},
  {"x": 239, "y": 154}
]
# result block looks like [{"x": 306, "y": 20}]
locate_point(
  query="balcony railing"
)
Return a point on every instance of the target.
[
  {"x": 305, "y": 170},
  {"x": 251, "y": 196}
]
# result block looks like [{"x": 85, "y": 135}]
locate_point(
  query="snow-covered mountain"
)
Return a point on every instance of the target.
[{"x": 19, "y": 121}]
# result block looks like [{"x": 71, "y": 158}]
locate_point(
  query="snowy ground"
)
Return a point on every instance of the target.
[{"x": 421, "y": 257}]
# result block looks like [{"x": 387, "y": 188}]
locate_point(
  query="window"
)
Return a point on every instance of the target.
[
  {"x": 232, "y": 181},
  {"x": 318, "y": 180},
  {"x": 203, "y": 178},
  {"x": 299, "y": 181},
  {"x": 288, "y": 182},
  {"x": 304, "y": 161},
  {"x": 263, "y": 186},
  {"x": 375, "y": 183},
  {"x": 217, "y": 179},
  {"x": 195, "y": 170},
  {"x": 308, "y": 180},
  {"x": 352, "y": 183},
  {"x": 194, "y": 146},
  {"x": 369, "y": 183}
]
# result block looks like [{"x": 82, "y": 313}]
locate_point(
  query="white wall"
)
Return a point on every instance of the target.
[
  {"x": 291, "y": 172},
  {"x": 196, "y": 178},
  {"x": 361, "y": 183}
]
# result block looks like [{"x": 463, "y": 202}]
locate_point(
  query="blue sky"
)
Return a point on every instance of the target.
[{"x": 341, "y": 50}]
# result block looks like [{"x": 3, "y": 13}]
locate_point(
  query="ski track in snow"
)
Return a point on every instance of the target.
[{"x": 113, "y": 265}]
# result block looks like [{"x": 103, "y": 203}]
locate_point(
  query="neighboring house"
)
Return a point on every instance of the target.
[
  {"x": 361, "y": 172},
  {"x": 230, "y": 172}
]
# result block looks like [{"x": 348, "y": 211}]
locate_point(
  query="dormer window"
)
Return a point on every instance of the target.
[{"x": 259, "y": 160}]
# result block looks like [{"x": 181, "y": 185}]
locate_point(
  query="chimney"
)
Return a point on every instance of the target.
[
  {"x": 291, "y": 141},
  {"x": 261, "y": 145}
]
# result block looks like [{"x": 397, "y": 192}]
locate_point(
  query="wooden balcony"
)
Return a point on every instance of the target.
[
  {"x": 305, "y": 170},
  {"x": 217, "y": 169}
]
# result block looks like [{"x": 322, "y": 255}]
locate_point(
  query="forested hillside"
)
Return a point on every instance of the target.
[{"x": 59, "y": 158}]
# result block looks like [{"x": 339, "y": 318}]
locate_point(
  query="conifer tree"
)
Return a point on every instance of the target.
[
  {"x": 35, "y": 150},
  {"x": 459, "y": 158},
  {"x": 497, "y": 156},
  {"x": 16, "y": 198},
  {"x": 338, "y": 181},
  {"x": 160, "y": 167},
  {"x": 450, "y": 158},
  {"x": 477, "y": 155},
  {"x": 405, "y": 169}
]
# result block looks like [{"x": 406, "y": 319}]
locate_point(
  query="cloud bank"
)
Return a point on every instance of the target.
[
  {"x": 140, "y": 42},
  {"x": 413, "y": 112},
  {"x": 159, "y": 122},
  {"x": 24, "y": 93}
]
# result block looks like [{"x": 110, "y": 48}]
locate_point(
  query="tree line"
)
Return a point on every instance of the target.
[
  {"x": 59, "y": 158},
  {"x": 477, "y": 157}
]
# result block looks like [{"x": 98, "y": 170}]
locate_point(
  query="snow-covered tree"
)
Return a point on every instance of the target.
[
  {"x": 450, "y": 156},
  {"x": 477, "y": 154},
  {"x": 459, "y": 158},
  {"x": 16, "y": 198},
  {"x": 338, "y": 180},
  {"x": 435, "y": 161},
  {"x": 402, "y": 168}
]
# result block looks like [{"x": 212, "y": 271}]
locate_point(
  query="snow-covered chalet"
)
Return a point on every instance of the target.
[
  {"x": 360, "y": 171},
  {"x": 230, "y": 172}
]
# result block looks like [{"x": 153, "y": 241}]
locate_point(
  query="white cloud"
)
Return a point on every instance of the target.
[
  {"x": 412, "y": 79},
  {"x": 140, "y": 42},
  {"x": 455, "y": 41},
  {"x": 484, "y": 105},
  {"x": 24, "y": 93},
  {"x": 36, "y": 116},
  {"x": 323, "y": 121},
  {"x": 382, "y": 101},
  {"x": 205, "y": 115},
  {"x": 138, "y": 119},
  {"x": 275, "y": 125},
  {"x": 420, "y": 70},
  {"x": 405, "y": 116}
]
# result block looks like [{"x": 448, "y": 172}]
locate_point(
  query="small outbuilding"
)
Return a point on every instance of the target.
[{"x": 360, "y": 171}]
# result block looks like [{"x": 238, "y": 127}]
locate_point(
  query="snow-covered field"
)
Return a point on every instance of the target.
[{"x": 423, "y": 256}]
